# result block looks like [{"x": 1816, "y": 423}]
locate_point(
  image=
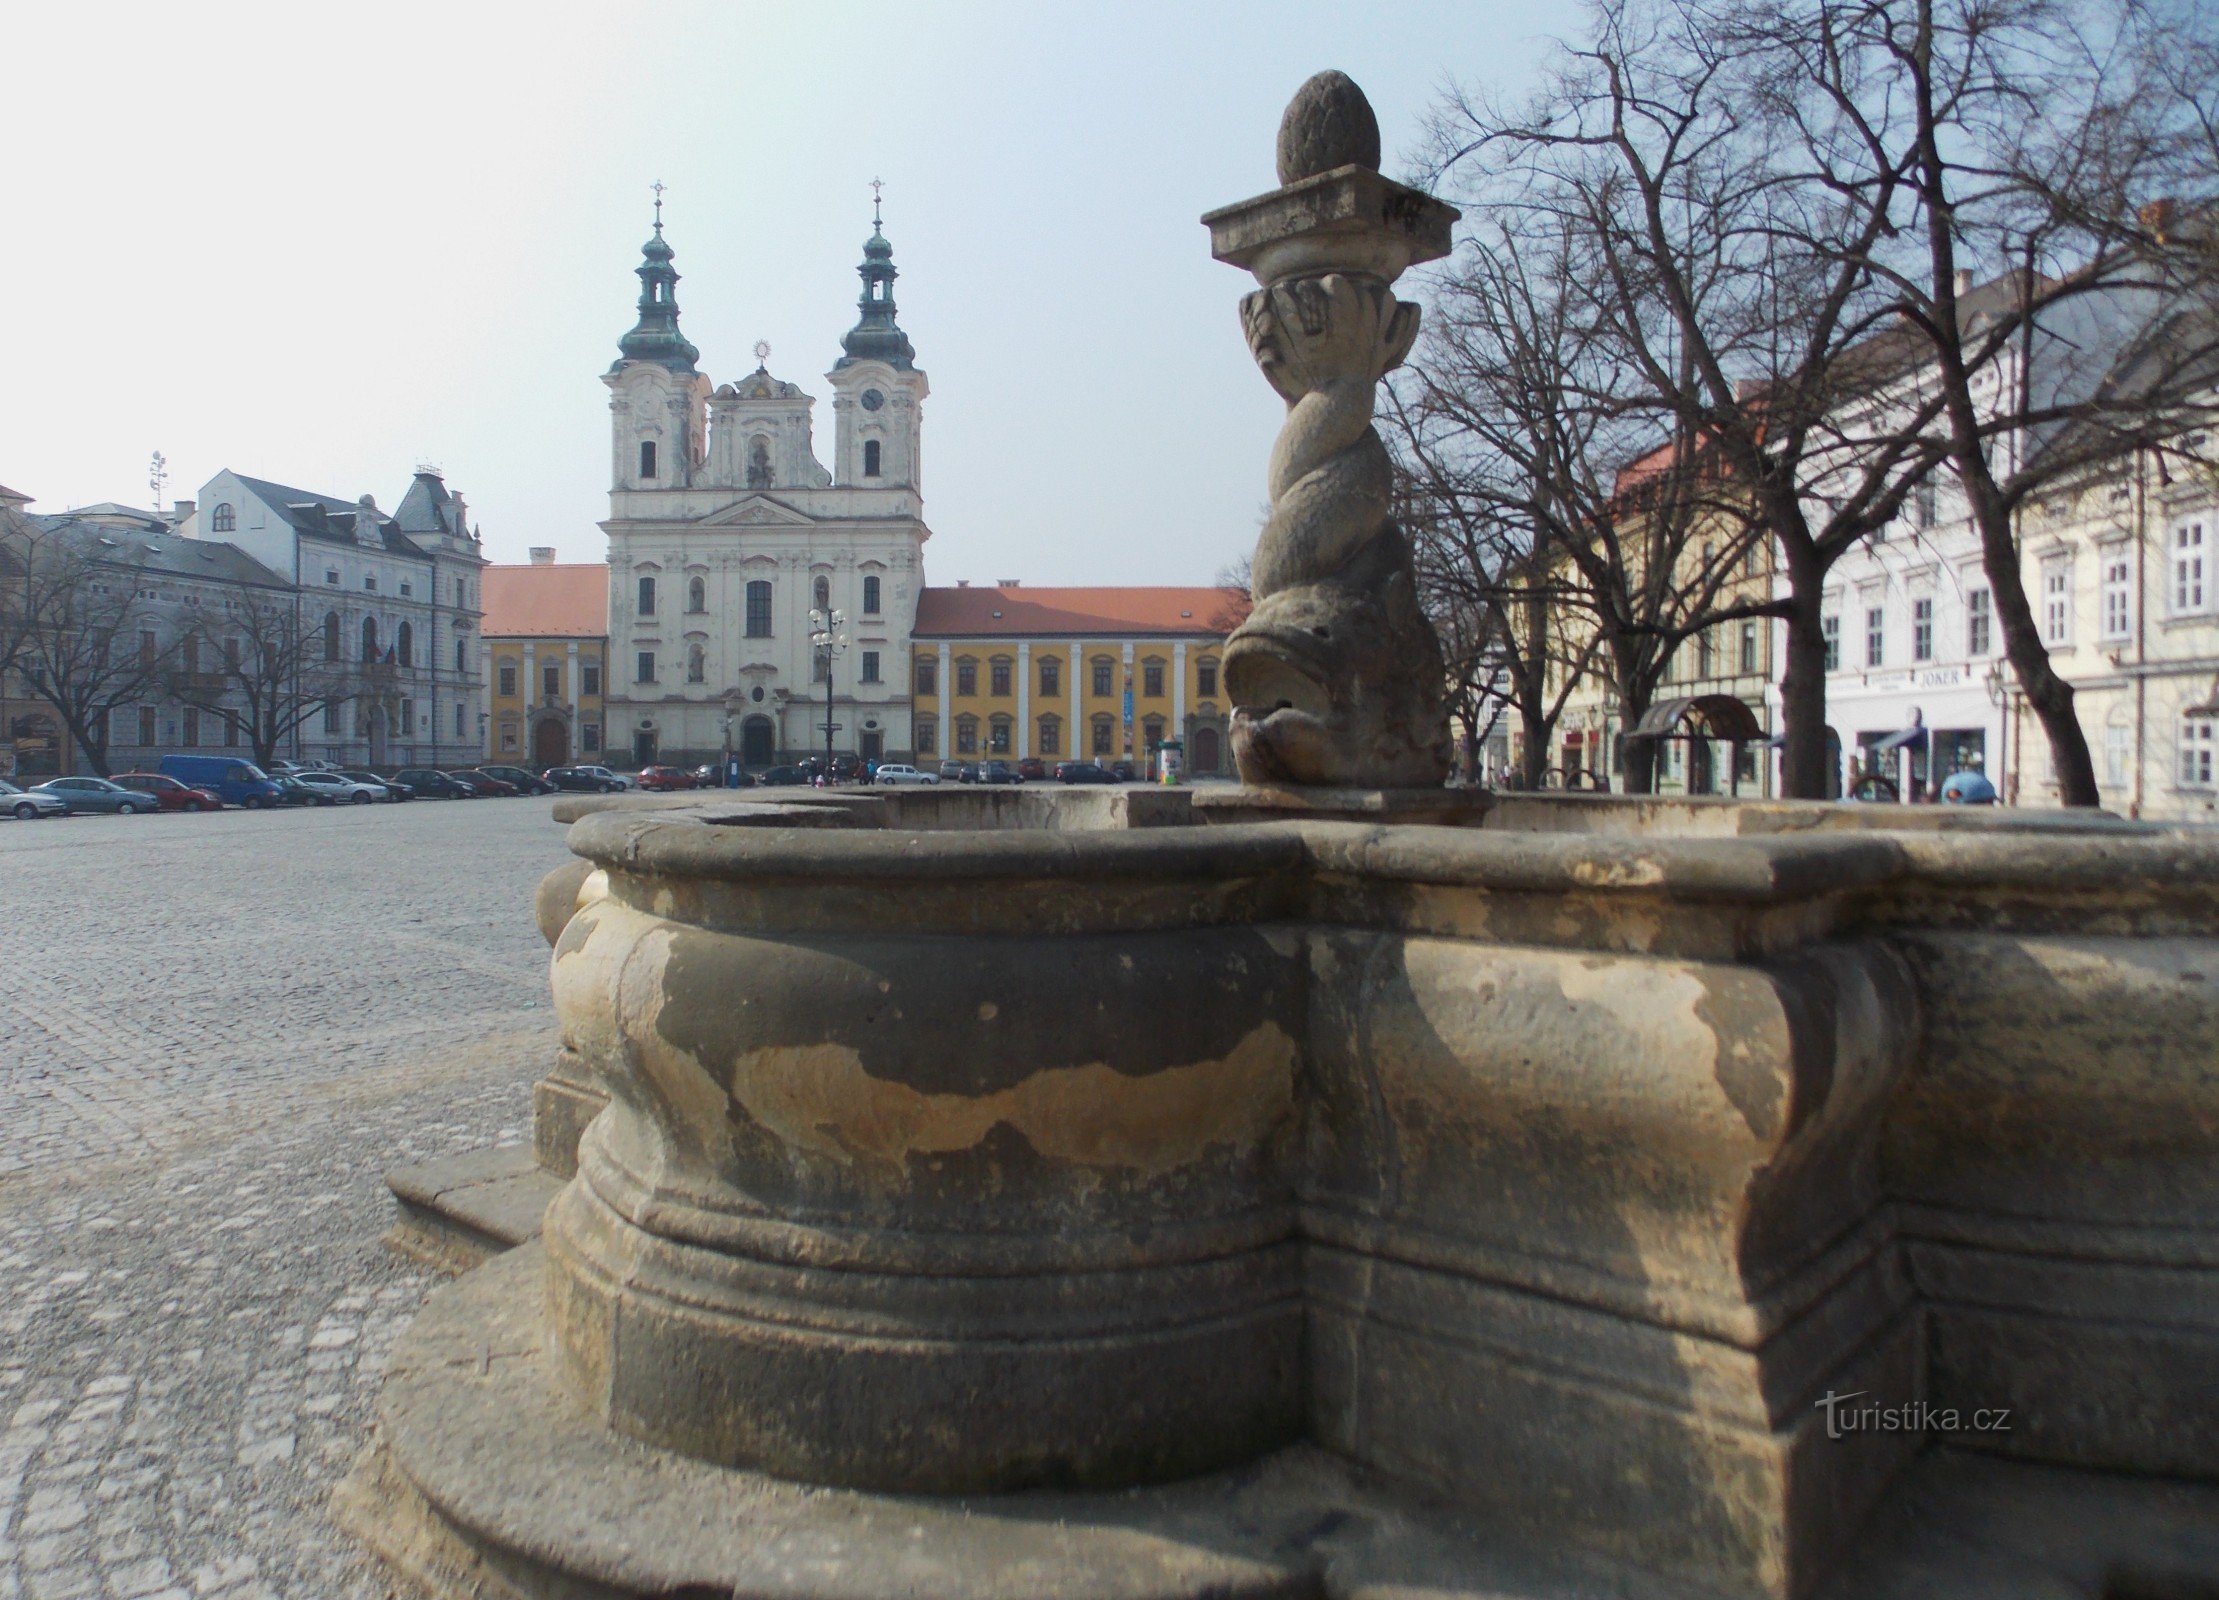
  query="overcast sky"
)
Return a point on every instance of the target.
[{"x": 321, "y": 243}]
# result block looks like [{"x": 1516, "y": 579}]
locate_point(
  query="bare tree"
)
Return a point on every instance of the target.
[
  {"x": 262, "y": 665},
  {"x": 2065, "y": 152},
  {"x": 1522, "y": 405},
  {"x": 89, "y": 642},
  {"x": 1738, "y": 302}
]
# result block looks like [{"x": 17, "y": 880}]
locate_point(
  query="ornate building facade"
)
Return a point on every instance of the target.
[{"x": 726, "y": 531}]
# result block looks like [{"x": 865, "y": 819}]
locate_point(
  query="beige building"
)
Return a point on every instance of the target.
[{"x": 546, "y": 661}]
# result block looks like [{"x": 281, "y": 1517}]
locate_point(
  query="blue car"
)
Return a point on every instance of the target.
[{"x": 83, "y": 795}]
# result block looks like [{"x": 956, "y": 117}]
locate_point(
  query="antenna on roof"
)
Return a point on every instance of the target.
[
  {"x": 429, "y": 469},
  {"x": 157, "y": 474}
]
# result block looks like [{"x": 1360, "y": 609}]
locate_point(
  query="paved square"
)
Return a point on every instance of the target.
[{"x": 215, "y": 1033}]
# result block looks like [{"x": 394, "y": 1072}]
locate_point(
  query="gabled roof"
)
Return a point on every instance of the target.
[
  {"x": 1018, "y": 612},
  {"x": 565, "y": 601},
  {"x": 324, "y": 516},
  {"x": 159, "y": 551}
]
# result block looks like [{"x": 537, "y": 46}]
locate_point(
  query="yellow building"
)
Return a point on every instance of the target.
[
  {"x": 1007, "y": 672},
  {"x": 546, "y": 644}
]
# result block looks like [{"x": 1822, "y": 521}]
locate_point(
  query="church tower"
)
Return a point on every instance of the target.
[
  {"x": 876, "y": 386},
  {"x": 659, "y": 399}
]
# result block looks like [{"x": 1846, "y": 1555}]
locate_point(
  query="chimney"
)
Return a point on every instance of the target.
[
  {"x": 543, "y": 555},
  {"x": 1008, "y": 583},
  {"x": 184, "y": 510}
]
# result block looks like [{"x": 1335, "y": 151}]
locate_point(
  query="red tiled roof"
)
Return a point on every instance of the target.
[
  {"x": 970, "y": 612},
  {"x": 534, "y": 602}
]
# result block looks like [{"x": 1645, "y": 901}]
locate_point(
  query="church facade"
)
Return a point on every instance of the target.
[{"x": 726, "y": 532}]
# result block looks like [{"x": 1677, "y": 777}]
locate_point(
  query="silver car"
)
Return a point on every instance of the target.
[
  {"x": 896, "y": 772},
  {"x": 330, "y": 788},
  {"x": 25, "y": 804}
]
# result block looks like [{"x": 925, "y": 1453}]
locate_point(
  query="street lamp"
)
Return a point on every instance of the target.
[{"x": 828, "y": 635}]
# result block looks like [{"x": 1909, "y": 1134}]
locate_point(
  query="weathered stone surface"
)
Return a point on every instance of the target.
[{"x": 1327, "y": 124}]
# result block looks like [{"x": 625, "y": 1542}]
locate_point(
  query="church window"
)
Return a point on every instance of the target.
[
  {"x": 758, "y": 609},
  {"x": 870, "y": 594},
  {"x": 647, "y": 597},
  {"x": 1104, "y": 668},
  {"x": 870, "y": 666},
  {"x": 999, "y": 674},
  {"x": 1151, "y": 679},
  {"x": 507, "y": 678},
  {"x": 870, "y": 458},
  {"x": 966, "y": 676},
  {"x": 928, "y": 675},
  {"x": 647, "y": 458},
  {"x": 462, "y": 655},
  {"x": 997, "y": 736},
  {"x": 758, "y": 462},
  {"x": 1104, "y": 735},
  {"x": 1051, "y": 735},
  {"x": 404, "y": 645},
  {"x": 697, "y": 594},
  {"x": 369, "y": 638},
  {"x": 966, "y": 736},
  {"x": 697, "y": 664},
  {"x": 928, "y": 738},
  {"x": 223, "y": 519},
  {"x": 1051, "y": 675},
  {"x": 1205, "y": 679},
  {"x": 643, "y": 669},
  {"x": 821, "y": 593}
]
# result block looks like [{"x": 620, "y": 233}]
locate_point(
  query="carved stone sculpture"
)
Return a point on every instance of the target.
[{"x": 1336, "y": 675}]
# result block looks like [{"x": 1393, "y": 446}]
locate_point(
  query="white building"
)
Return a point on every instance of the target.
[
  {"x": 725, "y": 532},
  {"x": 398, "y": 596}
]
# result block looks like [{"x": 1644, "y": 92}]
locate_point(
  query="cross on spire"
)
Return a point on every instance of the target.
[
  {"x": 657, "y": 186},
  {"x": 876, "y": 186}
]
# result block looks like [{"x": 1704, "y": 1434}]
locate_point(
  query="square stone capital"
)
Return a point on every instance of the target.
[{"x": 1348, "y": 219}]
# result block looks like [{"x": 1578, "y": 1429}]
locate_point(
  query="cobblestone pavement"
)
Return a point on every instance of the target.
[{"x": 216, "y": 1032}]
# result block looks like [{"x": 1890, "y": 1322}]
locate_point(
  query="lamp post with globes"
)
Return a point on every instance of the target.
[{"x": 828, "y": 635}]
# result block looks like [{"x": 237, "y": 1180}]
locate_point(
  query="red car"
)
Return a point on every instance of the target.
[
  {"x": 168, "y": 793},
  {"x": 666, "y": 778}
]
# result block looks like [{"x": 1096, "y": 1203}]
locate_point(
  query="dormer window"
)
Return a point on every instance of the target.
[
  {"x": 647, "y": 458},
  {"x": 870, "y": 458}
]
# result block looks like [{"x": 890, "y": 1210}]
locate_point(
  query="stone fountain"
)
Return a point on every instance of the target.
[{"x": 1336, "y": 1186}]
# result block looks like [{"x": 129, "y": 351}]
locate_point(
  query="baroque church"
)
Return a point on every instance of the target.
[{"x": 726, "y": 532}]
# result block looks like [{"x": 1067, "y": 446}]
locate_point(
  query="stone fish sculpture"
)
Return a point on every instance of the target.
[{"x": 1336, "y": 675}]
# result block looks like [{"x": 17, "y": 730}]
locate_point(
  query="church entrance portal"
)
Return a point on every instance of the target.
[
  {"x": 758, "y": 744},
  {"x": 643, "y": 748},
  {"x": 550, "y": 744}
]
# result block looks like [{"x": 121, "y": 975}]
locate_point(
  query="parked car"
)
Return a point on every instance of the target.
[
  {"x": 599, "y": 779},
  {"x": 527, "y": 782},
  {"x": 1123, "y": 772},
  {"x": 292, "y": 792},
  {"x": 662, "y": 780},
  {"x": 1031, "y": 769},
  {"x": 168, "y": 794},
  {"x": 235, "y": 782},
  {"x": 485, "y": 783},
  {"x": 98, "y": 794},
  {"x": 997, "y": 772},
  {"x": 959, "y": 772},
  {"x": 340, "y": 788},
  {"x": 1083, "y": 772},
  {"x": 898, "y": 772},
  {"x": 393, "y": 787},
  {"x": 783, "y": 777},
  {"x": 25, "y": 804},
  {"x": 432, "y": 784}
]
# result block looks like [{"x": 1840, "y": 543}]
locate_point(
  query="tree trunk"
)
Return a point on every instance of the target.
[
  {"x": 1803, "y": 762},
  {"x": 1533, "y": 760},
  {"x": 1640, "y": 755},
  {"x": 2050, "y": 695}
]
